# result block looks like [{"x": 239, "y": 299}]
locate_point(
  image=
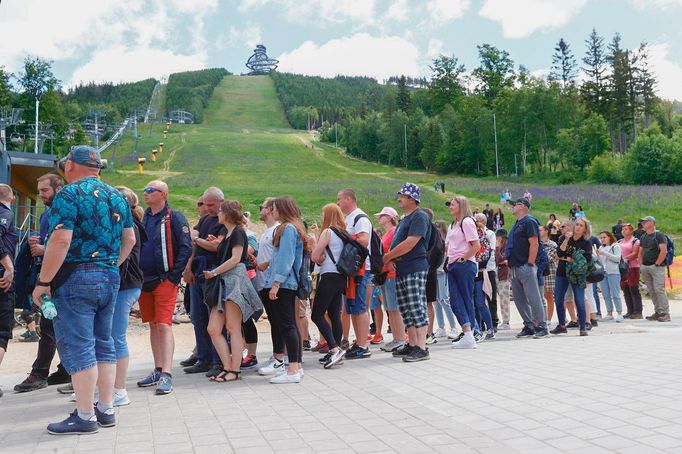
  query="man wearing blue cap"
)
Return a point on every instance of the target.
[
  {"x": 91, "y": 234},
  {"x": 408, "y": 255}
]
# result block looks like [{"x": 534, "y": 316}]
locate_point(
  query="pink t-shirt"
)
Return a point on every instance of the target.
[
  {"x": 626, "y": 249},
  {"x": 458, "y": 239},
  {"x": 386, "y": 241}
]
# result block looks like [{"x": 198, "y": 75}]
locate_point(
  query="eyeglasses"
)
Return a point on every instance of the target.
[
  {"x": 200, "y": 204},
  {"x": 151, "y": 190}
]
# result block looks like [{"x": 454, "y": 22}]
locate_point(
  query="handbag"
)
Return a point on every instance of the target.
[
  {"x": 214, "y": 288},
  {"x": 595, "y": 271},
  {"x": 623, "y": 267}
]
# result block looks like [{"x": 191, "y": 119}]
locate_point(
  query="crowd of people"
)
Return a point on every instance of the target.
[{"x": 98, "y": 252}]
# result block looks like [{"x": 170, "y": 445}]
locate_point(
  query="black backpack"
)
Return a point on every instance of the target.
[
  {"x": 352, "y": 257},
  {"x": 305, "y": 282},
  {"x": 376, "y": 254},
  {"x": 435, "y": 251}
]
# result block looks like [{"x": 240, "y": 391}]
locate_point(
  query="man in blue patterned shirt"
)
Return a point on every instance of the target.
[{"x": 91, "y": 234}]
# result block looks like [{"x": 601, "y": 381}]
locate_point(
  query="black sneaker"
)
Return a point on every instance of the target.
[
  {"x": 306, "y": 345},
  {"x": 358, "y": 353},
  {"x": 525, "y": 332},
  {"x": 214, "y": 371},
  {"x": 197, "y": 368},
  {"x": 402, "y": 351},
  {"x": 588, "y": 326},
  {"x": 325, "y": 358},
  {"x": 560, "y": 329},
  {"x": 594, "y": 323},
  {"x": 541, "y": 334},
  {"x": 572, "y": 325},
  {"x": 372, "y": 328},
  {"x": 417, "y": 354},
  {"x": 192, "y": 360},
  {"x": 583, "y": 332},
  {"x": 59, "y": 377},
  {"x": 32, "y": 383}
]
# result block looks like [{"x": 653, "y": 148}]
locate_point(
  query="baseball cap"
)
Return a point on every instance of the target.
[
  {"x": 501, "y": 233},
  {"x": 522, "y": 201},
  {"x": 649, "y": 218},
  {"x": 85, "y": 156},
  {"x": 410, "y": 190},
  {"x": 387, "y": 211}
]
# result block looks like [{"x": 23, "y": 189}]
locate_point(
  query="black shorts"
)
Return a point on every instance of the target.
[
  {"x": 432, "y": 286},
  {"x": 6, "y": 317}
]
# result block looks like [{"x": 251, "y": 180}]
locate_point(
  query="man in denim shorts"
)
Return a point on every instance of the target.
[
  {"x": 408, "y": 256},
  {"x": 91, "y": 235}
]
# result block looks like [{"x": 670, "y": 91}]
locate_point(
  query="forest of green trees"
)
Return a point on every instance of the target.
[
  {"x": 611, "y": 127},
  {"x": 190, "y": 90}
]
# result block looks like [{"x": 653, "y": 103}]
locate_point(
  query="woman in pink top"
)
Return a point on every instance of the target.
[
  {"x": 629, "y": 247},
  {"x": 462, "y": 245}
]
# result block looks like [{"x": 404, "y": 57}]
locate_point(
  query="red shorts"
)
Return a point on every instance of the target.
[{"x": 158, "y": 305}]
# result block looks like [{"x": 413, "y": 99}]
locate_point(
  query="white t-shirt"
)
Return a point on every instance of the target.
[
  {"x": 492, "y": 239},
  {"x": 363, "y": 225},
  {"x": 265, "y": 250}
]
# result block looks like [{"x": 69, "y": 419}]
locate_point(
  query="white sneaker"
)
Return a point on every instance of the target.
[
  {"x": 272, "y": 368},
  {"x": 121, "y": 399},
  {"x": 467, "y": 341},
  {"x": 454, "y": 334},
  {"x": 394, "y": 344},
  {"x": 286, "y": 378},
  {"x": 336, "y": 358},
  {"x": 619, "y": 318},
  {"x": 504, "y": 326},
  {"x": 440, "y": 332},
  {"x": 607, "y": 318},
  {"x": 284, "y": 371}
]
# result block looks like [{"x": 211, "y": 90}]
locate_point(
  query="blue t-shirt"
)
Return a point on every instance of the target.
[
  {"x": 518, "y": 246},
  {"x": 96, "y": 213},
  {"x": 414, "y": 224}
]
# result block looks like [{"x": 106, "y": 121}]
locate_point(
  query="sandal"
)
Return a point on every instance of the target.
[{"x": 221, "y": 377}]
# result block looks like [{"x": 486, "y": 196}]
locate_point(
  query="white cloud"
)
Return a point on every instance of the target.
[
  {"x": 649, "y": 4},
  {"x": 397, "y": 11},
  {"x": 319, "y": 12},
  {"x": 121, "y": 64},
  {"x": 442, "y": 11},
  {"x": 435, "y": 48},
  {"x": 521, "y": 18},
  {"x": 668, "y": 73},
  {"x": 247, "y": 37},
  {"x": 360, "y": 54},
  {"x": 123, "y": 29}
]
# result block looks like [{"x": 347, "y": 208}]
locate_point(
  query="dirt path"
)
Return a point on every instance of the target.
[{"x": 165, "y": 172}]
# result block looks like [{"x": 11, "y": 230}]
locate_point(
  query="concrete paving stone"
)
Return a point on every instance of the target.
[
  {"x": 247, "y": 442},
  {"x": 288, "y": 444},
  {"x": 213, "y": 449},
  {"x": 328, "y": 444},
  {"x": 611, "y": 442},
  {"x": 638, "y": 449},
  {"x": 660, "y": 441}
]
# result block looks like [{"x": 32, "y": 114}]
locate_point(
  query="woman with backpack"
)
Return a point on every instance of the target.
[
  {"x": 281, "y": 281},
  {"x": 332, "y": 283},
  {"x": 462, "y": 244},
  {"x": 486, "y": 253},
  {"x": 629, "y": 283},
  {"x": 575, "y": 252},
  {"x": 610, "y": 257}
]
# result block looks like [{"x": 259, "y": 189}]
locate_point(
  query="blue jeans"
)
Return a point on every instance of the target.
[
  {"x": 389, "y": 296},
  {"x": 560, "y": 286},
  {"x": 442, "y": 306},
  {"x": 482, "y": 309},
  {"x": 199, "y": 313},
  {"x": 124, "y": 301},
  {"x": 85, "y": 311},
  {"x": 461, "y": 285},
  {"x": 610, "y": 288}
]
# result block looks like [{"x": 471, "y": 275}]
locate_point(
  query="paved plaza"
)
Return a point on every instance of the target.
[{"x": 618, "y": 390}]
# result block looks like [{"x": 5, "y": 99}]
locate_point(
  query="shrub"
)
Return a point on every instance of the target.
[{"x": 606, "y": 169}]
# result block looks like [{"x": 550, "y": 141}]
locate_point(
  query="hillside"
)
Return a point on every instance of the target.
[{"x": 245, "y": 147}]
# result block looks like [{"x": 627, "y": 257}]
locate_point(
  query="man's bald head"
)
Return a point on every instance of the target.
[{"x": 158, "y": 184}]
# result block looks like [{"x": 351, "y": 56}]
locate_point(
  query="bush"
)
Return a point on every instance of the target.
[
  {"x": 606, "y": 169},
  {"x": 655, "y": 159}
]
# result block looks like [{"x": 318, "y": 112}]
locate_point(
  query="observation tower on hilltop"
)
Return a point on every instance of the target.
[{"x": 259, "y": 62}]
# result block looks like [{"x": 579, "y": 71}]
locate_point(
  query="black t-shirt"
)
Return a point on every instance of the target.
[
  {"x": 650, "y": 247},
  {"x": 209, "y": 225},
  {"x": 237, "y": 238},
  {"x": 518, "y": 246},
  {"x": 573, "y": 244}
]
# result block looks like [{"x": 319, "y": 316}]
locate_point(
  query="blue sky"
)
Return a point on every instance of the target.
[{"x": 124, "y": 40}]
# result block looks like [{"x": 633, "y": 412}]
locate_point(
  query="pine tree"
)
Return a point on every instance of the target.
[
  {"x": 563, "y": 64},
  {"x": 402, "y": 99},
  {"x": 619, "y": 96},
  {"x": 595, "y": 68}
]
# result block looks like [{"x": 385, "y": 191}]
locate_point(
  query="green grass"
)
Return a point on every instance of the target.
[{"x": 246, "y": 148}]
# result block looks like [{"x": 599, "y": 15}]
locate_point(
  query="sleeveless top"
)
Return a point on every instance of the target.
[{"x": 336, "y": 246}]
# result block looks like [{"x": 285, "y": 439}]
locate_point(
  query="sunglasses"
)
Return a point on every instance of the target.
[{"x": 151, "y": 190}]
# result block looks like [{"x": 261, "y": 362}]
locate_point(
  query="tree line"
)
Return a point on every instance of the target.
[
  {"x": 499, "y": 116},
  {"x": 191, "y": 90}
]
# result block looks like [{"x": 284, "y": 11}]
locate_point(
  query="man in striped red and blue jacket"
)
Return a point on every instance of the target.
[{"x": 163, "y": 258}]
